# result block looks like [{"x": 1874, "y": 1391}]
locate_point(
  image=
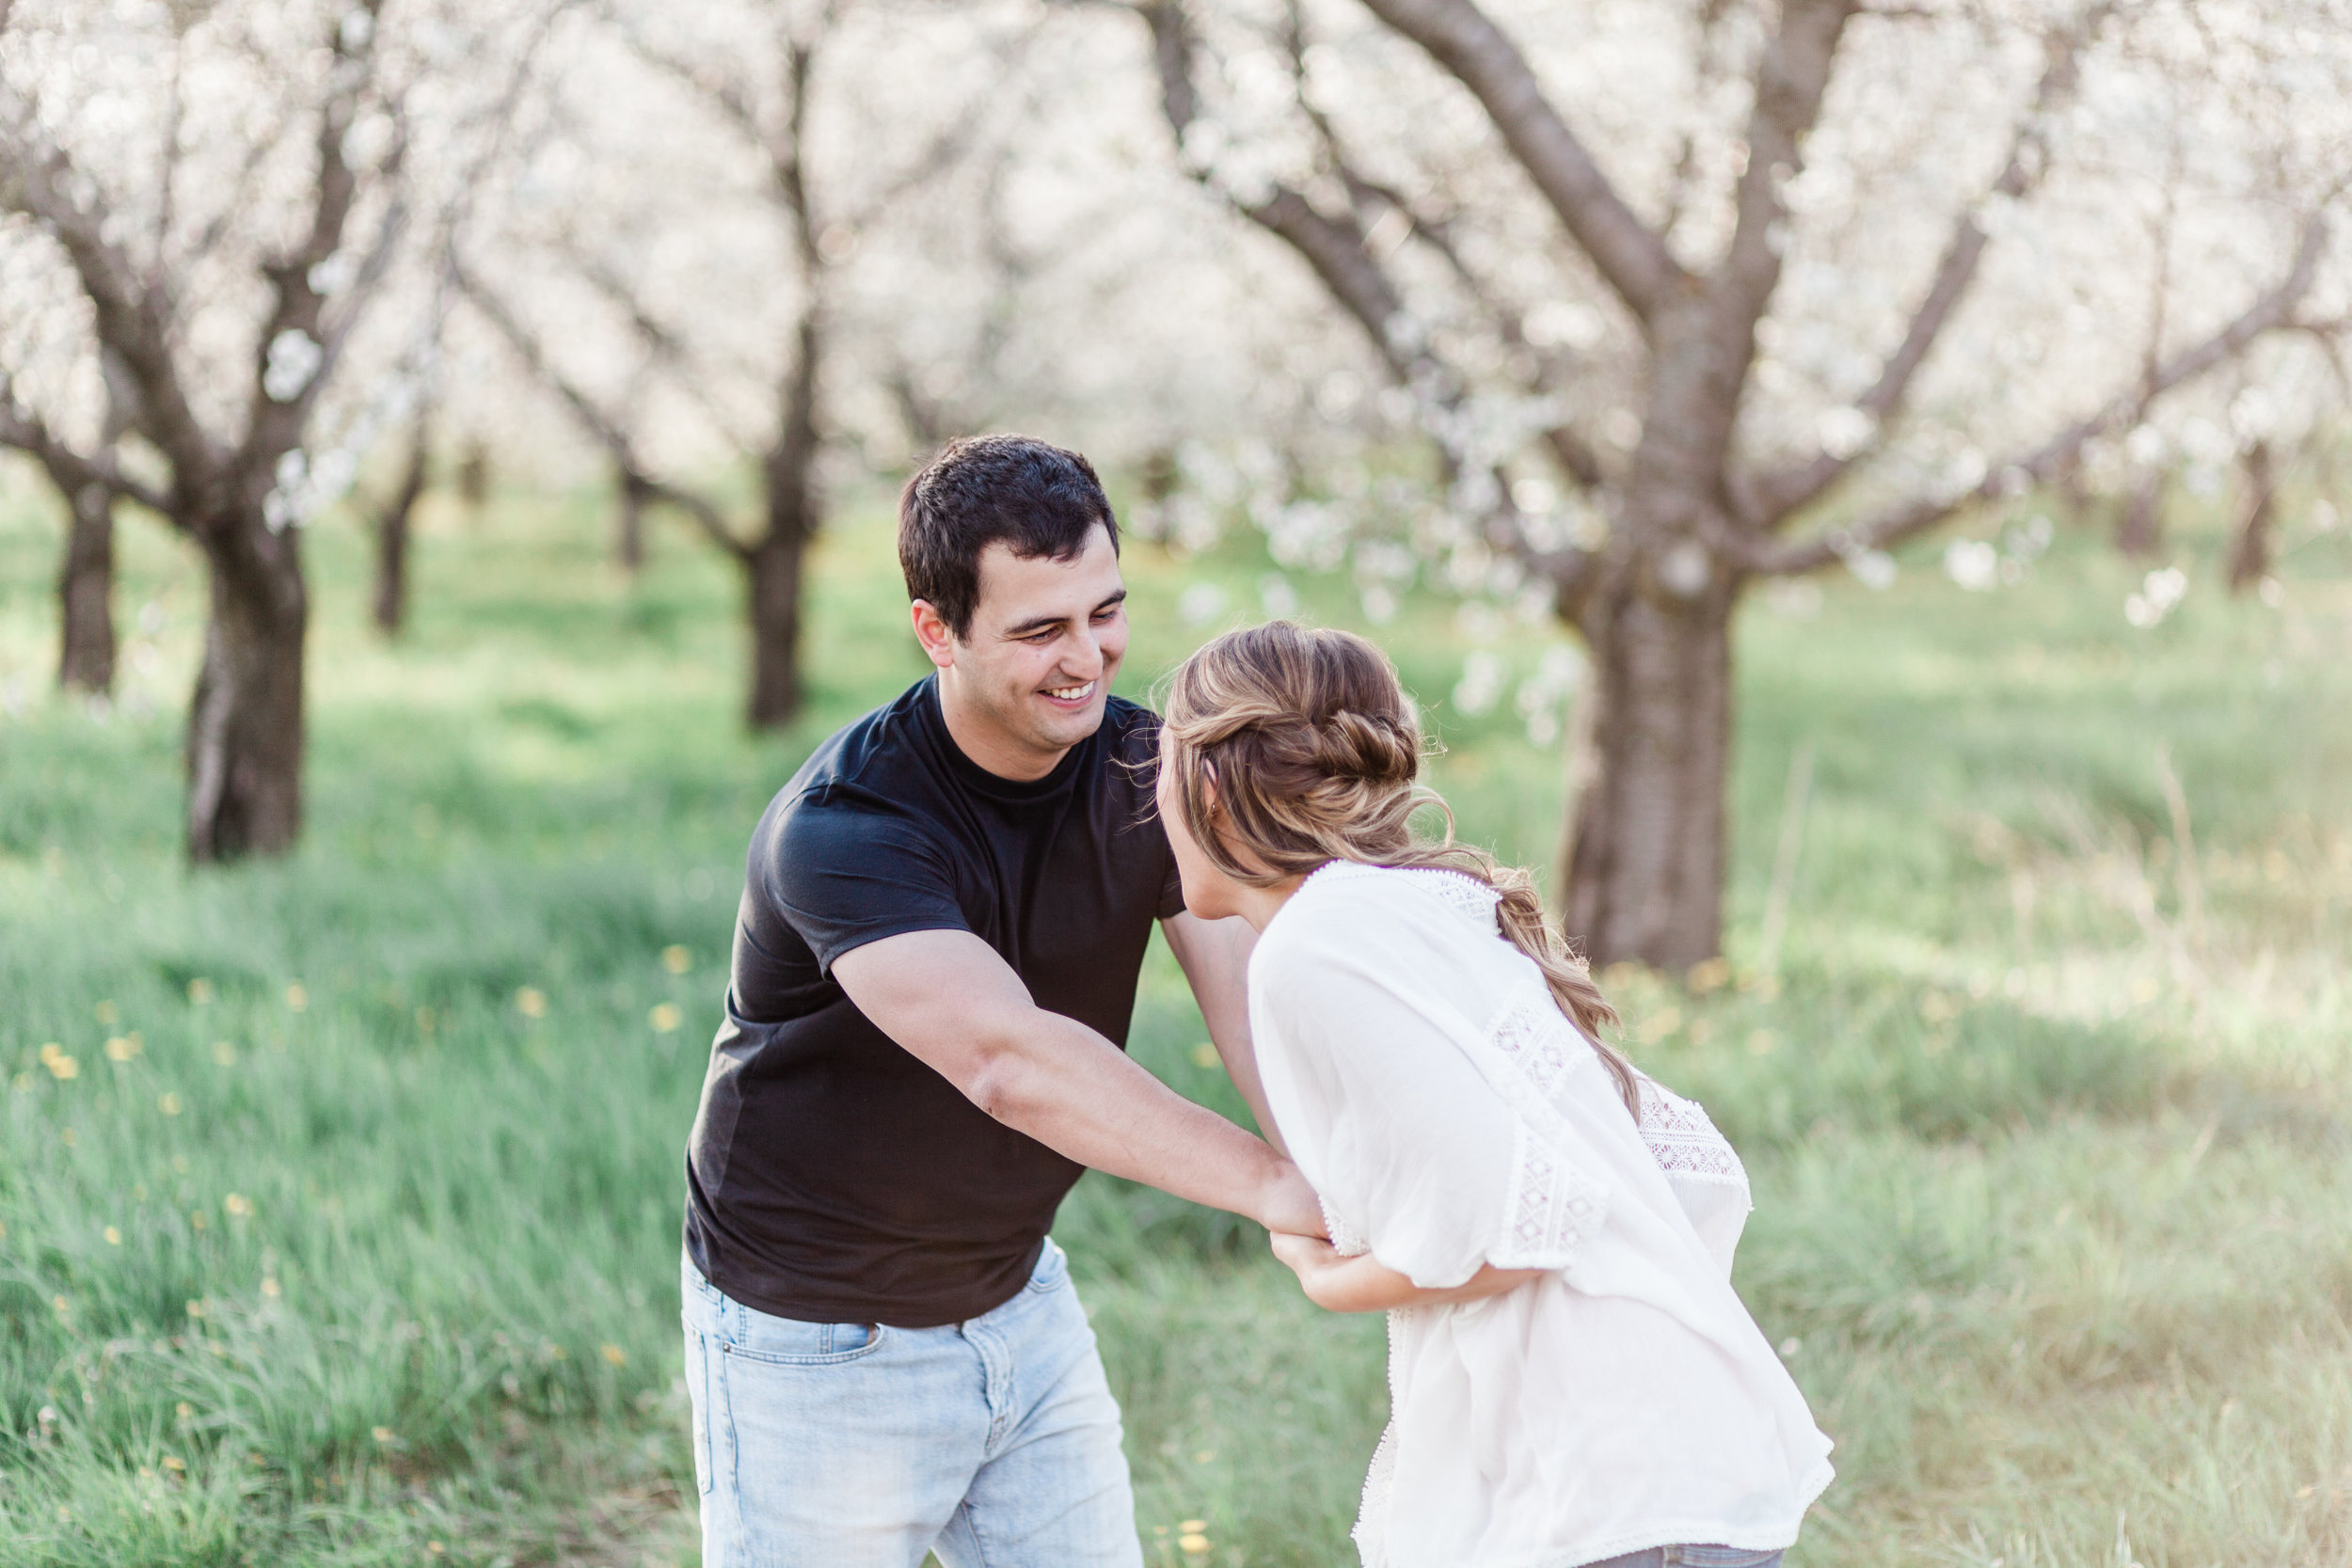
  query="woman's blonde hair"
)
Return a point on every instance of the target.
[{"x": 1299, "y": 747}]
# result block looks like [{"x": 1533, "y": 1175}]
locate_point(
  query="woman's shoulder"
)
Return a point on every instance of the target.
[
  {"x": 1342, "y": 888},
  {"x": 1379, "y": 919}
]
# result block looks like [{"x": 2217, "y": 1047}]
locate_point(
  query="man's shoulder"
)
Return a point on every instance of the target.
[
  {"x": 860, "y": 771},
  {"x": 1130, "y": 732}
]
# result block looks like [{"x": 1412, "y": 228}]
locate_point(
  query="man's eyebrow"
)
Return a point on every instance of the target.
[{"x": 1040, "y": 623}]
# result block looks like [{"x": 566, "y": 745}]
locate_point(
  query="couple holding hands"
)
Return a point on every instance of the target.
[{"x": 944, "y": 916}]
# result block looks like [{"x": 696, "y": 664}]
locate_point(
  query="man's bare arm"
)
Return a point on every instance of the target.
[
  {"x": 1216, "y": 958},
  {"x": 950, "y": 999}
]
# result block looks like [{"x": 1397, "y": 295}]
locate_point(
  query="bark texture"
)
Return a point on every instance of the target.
[
  {"x": 85, "y": 595},
  {"x": 245, "y": 721},
  {"x": 1644, "y": 852}
]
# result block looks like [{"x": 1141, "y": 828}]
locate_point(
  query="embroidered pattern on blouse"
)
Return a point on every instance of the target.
[
  {"x": 1683, "y": 1139},
  {"x": 1552, "y": 1207},
  {"x": 1539, "y": 1042}
]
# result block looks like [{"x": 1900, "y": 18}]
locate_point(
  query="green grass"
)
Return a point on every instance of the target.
[{"x": 2045, "y": 1109}]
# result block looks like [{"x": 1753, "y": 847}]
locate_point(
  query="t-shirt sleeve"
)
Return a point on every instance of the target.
[
  {"x": 844, "y": 878},
  {"x": 1171, "y": 886},
  {"x": 1413, "y": 1151}
]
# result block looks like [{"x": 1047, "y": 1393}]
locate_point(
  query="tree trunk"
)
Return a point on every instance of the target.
[
  {"x": 392, "y": 535},
  {"x": 629, "y": 525},
  {"x": 245, "y": 724},
  {"x": 85, "y": 589},
  {"x": 772, "y": 573},
  {"x": 2250, "y": 557},
  {"x": 774, "y": 564},
  {"x": 2139, "y": 527},
  {"x": 473, "y": 479},
  {"x": 1642, "y": 864}
]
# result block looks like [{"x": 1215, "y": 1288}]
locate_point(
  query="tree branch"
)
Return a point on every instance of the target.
[
  {"x": 70, "y": 471},
  {"x": 131, "y": 319},
  {"x": 1467, "y": 43},
  {"x": 600, "y": 426},
  {"x": 2273, "y": 311},
  {"x": 1778, "y": 496},
  {"x": 281, "y": 403}
]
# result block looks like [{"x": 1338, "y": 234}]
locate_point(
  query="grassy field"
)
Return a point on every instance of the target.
[{"x": 340, "y": 1194}]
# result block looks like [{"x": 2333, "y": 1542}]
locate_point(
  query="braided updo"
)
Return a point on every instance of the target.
[{"x": 1299, "y": 747}]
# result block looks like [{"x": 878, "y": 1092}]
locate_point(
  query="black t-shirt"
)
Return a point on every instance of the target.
[{"x": 832, "y": 1177}]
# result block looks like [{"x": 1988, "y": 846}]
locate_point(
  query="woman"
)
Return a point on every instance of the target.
[{"x": 1572, "y": 1378}]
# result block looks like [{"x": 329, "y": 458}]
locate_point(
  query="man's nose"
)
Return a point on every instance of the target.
[{"x": 1085, "y": 661}]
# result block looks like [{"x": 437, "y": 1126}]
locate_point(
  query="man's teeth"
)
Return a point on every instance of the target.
[{"x": 1071, "y": 693}]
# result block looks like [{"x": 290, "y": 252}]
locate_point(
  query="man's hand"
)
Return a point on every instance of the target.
[{"x": 951, "y": 1001}]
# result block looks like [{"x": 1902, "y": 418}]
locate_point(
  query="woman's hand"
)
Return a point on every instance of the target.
[{"x": 1364, "y": 1284}]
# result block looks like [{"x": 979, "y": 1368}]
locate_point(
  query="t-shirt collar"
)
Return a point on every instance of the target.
[{"x": 979, "y": 779}]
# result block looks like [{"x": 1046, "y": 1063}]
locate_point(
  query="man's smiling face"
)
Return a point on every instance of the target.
[{"x": 1027, "y": 680}]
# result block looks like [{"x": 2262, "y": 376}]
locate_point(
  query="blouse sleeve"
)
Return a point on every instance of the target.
[{"x": 1418, "y": 1158}]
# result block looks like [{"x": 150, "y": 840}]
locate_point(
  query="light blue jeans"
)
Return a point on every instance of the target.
[{"x": 995, "y": 1442}]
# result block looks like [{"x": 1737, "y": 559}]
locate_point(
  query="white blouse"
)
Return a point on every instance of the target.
[{"x": 1451, "y": 1115}]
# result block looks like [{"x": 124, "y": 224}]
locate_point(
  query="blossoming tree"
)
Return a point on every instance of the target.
[
  {"x": 1687, "y": 298},
  {"x": 226, "y": 191}
]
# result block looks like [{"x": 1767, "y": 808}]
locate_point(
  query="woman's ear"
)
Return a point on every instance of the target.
[{"x": 1209, "y": 804}]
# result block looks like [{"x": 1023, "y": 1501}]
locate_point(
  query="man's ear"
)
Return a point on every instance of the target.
[{"x": 931, "y": 629}]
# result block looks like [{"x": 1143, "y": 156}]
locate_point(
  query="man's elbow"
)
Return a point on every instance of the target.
[{"x": 1002, "y": 1080}]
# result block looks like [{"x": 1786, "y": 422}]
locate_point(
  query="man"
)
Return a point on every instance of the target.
[{"x": 935, "y": 961}]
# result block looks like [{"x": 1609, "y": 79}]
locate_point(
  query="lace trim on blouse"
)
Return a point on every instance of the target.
[
  {"x": 1552, "y": 1207},
  {"x": 1684, "y": 1141}
]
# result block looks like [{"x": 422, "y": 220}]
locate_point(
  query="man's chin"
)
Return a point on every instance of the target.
[{"x": 1062, "y": 727}]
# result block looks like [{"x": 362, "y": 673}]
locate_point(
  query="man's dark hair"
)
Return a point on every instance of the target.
[{"x": 1035, "y": 498}]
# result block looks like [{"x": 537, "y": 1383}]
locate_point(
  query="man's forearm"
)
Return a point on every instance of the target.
[{"x": 1073, "y": 1091}]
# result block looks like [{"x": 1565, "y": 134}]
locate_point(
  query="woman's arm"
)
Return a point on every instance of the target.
[
  {"x": 1364, "y": 1284},
  {"x": 1214, "y": 954}
]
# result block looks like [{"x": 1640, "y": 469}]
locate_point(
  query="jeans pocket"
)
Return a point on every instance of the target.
[
  {"x": 1722, "y": 1556},
  {"x": 1052, "y": 1267},
  {"x": 756, "y": 1335}
]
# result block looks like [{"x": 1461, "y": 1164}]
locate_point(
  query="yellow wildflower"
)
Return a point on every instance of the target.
[
  {"x": 614, "y": 1353},
  {"x": 531, "y": 1002},
  {"x": 676, "y": 960},
  {"x": 199, "y": 990},
  {"x": 665, "y": 1018},
  {"x": 169, "y": 1105}
]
